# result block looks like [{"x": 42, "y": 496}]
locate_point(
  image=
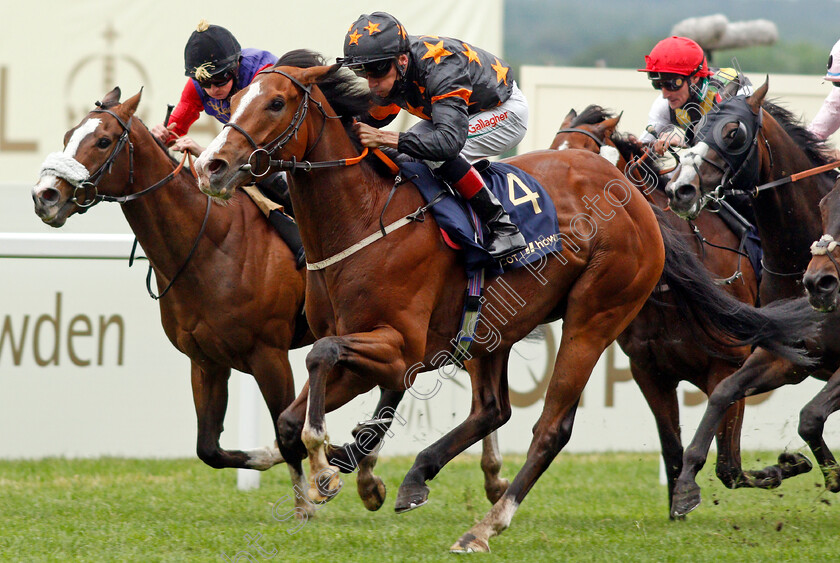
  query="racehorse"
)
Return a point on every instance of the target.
[
  {"x": 754, "y": 146},
  {"x": 387, "y": 311},
  {"x": 661, "y": 348},
  {"x": 230, "y": 293}
]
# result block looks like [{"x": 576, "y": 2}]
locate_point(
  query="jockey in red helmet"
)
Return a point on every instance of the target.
[
  {"x": 468, "y": 102},
  {"x": 218, "y": 68},
  {"x": 677, "y": 67}
]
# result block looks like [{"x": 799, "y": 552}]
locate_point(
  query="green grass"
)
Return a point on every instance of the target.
[{"x": 584, "y": 508}]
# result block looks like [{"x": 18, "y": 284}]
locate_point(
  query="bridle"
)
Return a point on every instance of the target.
[
  {"x": 260, "y": 161},
  {"x": 589, "y": 134},
  {"x": 93, "y": 183}
]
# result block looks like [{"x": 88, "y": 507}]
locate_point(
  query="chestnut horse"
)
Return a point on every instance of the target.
[
  {"x": 662, "y": 349},
  {"x": 385, "y": 294},
  {"x": 235, "y": 295},
  {"x": 753, "y": 146}
]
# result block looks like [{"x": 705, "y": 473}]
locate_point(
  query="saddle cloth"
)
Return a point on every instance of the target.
[{"x": 525, "y": 200}]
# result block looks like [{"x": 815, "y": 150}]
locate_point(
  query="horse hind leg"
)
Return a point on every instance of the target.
[
  {"x": 489, "y": 410},
  {"x": 491, "y": 466},
  {"x": 595, "y": 316},
  {"x": 811, "y": 425}
]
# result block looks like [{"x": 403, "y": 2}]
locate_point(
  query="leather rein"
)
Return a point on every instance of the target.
[{"x": 92, "y": 184}]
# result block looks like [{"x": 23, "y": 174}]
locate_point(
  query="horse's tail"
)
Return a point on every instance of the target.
[{"x": 780, "y": 328}]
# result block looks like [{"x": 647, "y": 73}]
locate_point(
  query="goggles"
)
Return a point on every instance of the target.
[
  {"x": 672, "y": 83},
  {"x": 217, "y": 80},
  {"x": 375, "y": 69}
]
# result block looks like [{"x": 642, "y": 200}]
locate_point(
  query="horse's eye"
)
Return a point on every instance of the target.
[
  {"x": 103, "y": 143},
  {"x": 276, "y": 104}
]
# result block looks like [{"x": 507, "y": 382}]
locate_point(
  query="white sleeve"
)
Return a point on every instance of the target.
[
  {"x": 659, "y": 119},
  {"x": 827, "y": 120}
]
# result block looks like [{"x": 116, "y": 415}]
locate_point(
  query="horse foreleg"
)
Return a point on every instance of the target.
[
  {"x": 490, "y": 409},
  {"x": 334, "y": 362},
  {"x": 370, "y": 487},
  {"x": 761, "y": 372},
  {"x": 661, "y": 396},
  {"x": 210, "y": 396},
  {"x": 811, "y": 424},
  {"x": 274, "y": 377}
]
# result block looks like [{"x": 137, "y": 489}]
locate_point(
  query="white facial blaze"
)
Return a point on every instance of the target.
[
  {"x": 690, "y": 161},
  {"x": 216, "y": 144},
  {"x": 64, "y": 164},
  {"x": 564, "y": 146},
  {"x": 254, "y": 90},
  {"x": 610, "y": 153},
  {"x": 79, "y": 135}
]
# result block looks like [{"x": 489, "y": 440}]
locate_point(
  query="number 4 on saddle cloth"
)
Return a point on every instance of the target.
[
  {"x": 530, "y": 209},
  {"x": 529, "y": 206}
]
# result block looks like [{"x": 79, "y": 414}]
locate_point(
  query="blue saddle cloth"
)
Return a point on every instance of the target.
[{"x": 532, "y": 211}]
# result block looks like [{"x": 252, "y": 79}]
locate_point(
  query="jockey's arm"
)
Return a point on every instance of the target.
[{"x": 186, "y": 113}]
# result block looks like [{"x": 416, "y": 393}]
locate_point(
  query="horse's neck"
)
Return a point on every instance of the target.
[
  {"x": 166, "y": 221},
  {"x": 336, "y": 207},
  {"x": 787, "y": 216}
]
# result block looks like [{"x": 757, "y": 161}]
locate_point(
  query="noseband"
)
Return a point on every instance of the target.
[
  {"x": 260, "y": 161},
  {"x": 825, "y": 247}
]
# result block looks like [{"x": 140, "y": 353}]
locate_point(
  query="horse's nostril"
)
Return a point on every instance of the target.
[
  {"x": 684, "y": 192},
  {"x": 48, "y": 195},
  {"x": 826, "y": 284},
  {"x": 216, "y": 165}
]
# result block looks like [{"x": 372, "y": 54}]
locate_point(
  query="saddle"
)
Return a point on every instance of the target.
[
  {"x": 525, "y": 200},
  {"x": 271, "y": 195}
]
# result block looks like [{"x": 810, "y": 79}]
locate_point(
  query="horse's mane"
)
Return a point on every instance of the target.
[
  {"x": 817, "y": 151},
  {"x": 628, "y": 145},
  {"x": 348, "y": 95}
]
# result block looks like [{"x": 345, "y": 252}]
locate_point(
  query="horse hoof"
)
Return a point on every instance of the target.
[
  {"x": 470, "y": 544},
  {"x": 326, "y": 487},
  {"x": 794, "y": 464},
  {"x": 685, "y": 501},
  {"x": 832, "y": 478},
  {"x": 496, "y": 490},
  {"x": 372, "y": 492},
  {"x": 410, "y": 497}
]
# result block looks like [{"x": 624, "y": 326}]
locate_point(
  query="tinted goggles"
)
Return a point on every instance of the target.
[
  {"x": 670, "y": 83},
  {"x": 376, "y": 69},
  {"x": 217, "y": 80}
]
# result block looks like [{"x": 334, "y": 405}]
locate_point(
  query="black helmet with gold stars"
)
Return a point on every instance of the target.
[
  {"x": 374, "y": 37},
  {"x": 210, "y": 50}
]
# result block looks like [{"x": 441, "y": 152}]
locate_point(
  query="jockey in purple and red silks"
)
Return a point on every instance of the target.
[
  {"x": 466, "y": 98},
  {"x": 218, "y": 68}
]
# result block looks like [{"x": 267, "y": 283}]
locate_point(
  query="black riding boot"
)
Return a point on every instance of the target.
[{"x": 505, "y": 238}]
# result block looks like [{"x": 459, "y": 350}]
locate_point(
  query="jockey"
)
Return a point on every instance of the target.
[
  {"x": 218, "y": 68},
  {"x": 827, "y": 120},
  {"x": 468, "y": 102},
  {"x": 677, "y": 67}
]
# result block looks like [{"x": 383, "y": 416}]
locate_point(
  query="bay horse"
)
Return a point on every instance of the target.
[
  {"x": 751, "y": 145},
  {"x": 661, "y": 347},
  {"x": 234, "y": 294},
  {"x": 386, "y": 311}
]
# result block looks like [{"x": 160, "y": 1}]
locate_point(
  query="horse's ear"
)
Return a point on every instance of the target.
[
  {"x": 567, "y": 121},
  {"x": 112, "y": 98},
  {"x": 757, "y": 98},
  {"x": 315, "y": 74},
  {"x": 130, "y": 105},
  {"x": 731, "y": 89},
  {"x": 607, "y": 127}
]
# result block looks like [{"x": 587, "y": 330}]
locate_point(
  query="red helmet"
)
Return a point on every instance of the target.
[{"x": 677, "y": 55}]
